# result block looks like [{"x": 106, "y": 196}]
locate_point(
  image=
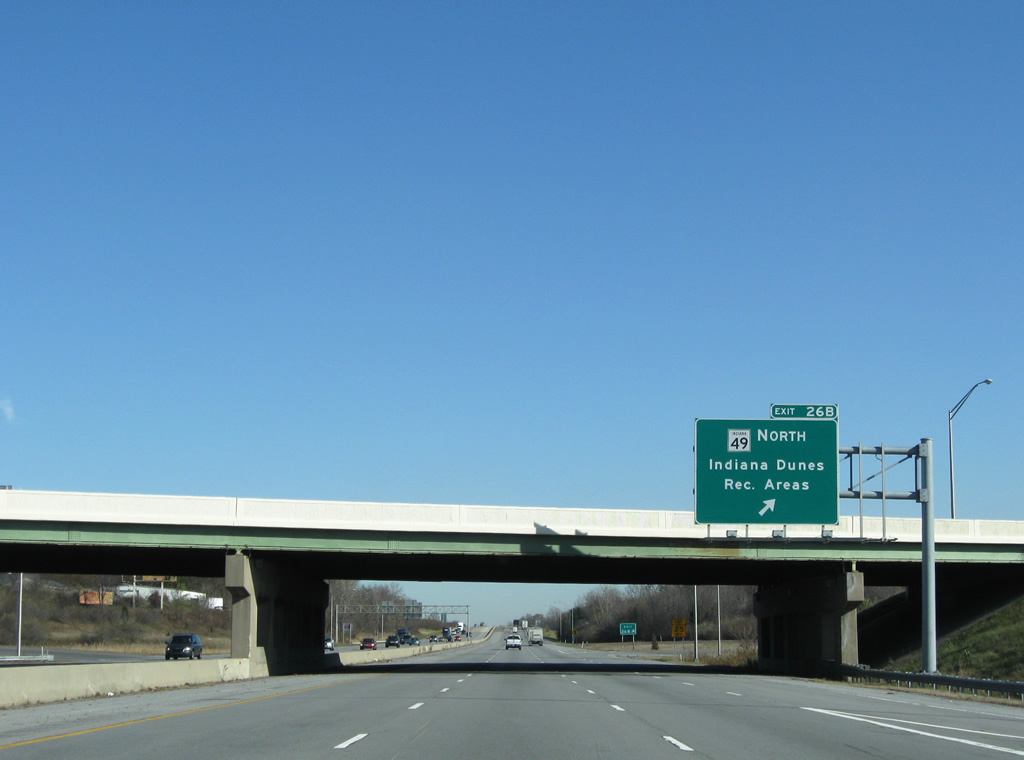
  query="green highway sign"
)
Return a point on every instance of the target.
[
  {"x": 805, "y": 412},
  {"x": 779, "y": 471},
  {"x": 627, "y": 629}
]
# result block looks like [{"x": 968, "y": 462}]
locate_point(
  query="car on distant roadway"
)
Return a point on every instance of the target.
[
  {"x": 458, "y": 638},
  {"x": 392, "y": 641},
  {"x": 433, "y": 639},
  {"x": 513, "y": 642},
  {"x": 412, "y": 641},
  {"x": 368, "y": 643},
  {"x": 184, "y": 645},
  {"x": 328, "y": 644}
]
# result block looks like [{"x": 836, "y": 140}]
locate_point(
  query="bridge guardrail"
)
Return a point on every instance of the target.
[
  {"x": 62, "y": 507},
  {"x": 1010, "y": 689}
]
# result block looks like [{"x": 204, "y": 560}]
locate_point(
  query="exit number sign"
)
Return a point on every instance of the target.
[{"x": 805, "y": 412}]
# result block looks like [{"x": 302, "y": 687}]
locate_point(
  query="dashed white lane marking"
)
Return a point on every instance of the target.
[
  {"x": 687, "y": 683},
  {"x": 734, "y": 694},
  {"x": 460, "y": 680},
  {"x": 444, "y": 689},
  {"x": 678, "y": 743},
  {"x": 416, "y": 706},
  {"x": 591, "y": 691},
  {"x": 616, "y": 707},
  {"x": 888, "y": 723},
  {"x": 351, "y": 741}
]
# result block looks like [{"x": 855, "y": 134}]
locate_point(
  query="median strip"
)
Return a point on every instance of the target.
[{"x": 180, "y": 714}]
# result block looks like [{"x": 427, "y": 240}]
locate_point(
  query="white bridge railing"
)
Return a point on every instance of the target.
[{"x": 48, "y": 506}]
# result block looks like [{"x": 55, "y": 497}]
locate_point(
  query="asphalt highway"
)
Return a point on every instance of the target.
[{"x": 484, "y": 702}]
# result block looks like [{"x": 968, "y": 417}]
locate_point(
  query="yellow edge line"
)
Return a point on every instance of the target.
[{"x": 186, "y": 712}]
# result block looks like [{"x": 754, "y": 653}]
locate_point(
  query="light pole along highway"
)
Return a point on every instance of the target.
[{"x": 952, "y": 478}]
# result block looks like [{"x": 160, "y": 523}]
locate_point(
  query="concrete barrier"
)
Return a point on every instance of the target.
[
  {"x": 387, "y": 654},
  {"x": 60, "y": 683}
]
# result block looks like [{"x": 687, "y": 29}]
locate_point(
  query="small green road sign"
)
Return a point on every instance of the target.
[
  {"x": 779, "y": 471},
  {"x": 627, "y": 629},
  {"x": 805, "y": 412}
]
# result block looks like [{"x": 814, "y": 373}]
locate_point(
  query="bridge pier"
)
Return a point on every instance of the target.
[
  {"x": 277, "y": 613},
  {"x": 806, "y": 627}
]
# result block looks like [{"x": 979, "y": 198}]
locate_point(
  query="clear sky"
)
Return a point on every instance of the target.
[{"x": 502, "y": 253}]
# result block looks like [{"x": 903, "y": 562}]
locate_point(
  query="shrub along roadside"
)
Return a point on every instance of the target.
[{"x": 53, "y": 618}]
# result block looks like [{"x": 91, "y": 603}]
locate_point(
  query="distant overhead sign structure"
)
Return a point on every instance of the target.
[{"x": 783, "y": 471}]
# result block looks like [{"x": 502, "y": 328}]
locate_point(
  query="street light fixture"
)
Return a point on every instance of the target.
[{"x": 952, "y": 478}]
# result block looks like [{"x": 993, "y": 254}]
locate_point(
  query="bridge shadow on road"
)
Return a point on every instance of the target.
[{"x": 642, "y": 668}]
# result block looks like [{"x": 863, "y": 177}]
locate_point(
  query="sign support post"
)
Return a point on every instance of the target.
[{"x": 928, "y": 633}]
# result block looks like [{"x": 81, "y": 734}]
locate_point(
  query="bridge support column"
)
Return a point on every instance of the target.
[
  {"x": 239, "y": 583},
  {"x": 807, "y": 627},
  {"x": 277, "y": 613}
]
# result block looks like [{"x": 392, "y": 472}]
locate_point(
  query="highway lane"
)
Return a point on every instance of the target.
[{"x": 486, "y": 702}]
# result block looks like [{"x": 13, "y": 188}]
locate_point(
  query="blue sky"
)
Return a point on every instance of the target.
[{"x": 502, "y": 253}]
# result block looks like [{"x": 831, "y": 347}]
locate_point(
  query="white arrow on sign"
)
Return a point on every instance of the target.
[{"x": 769, "y": 505}]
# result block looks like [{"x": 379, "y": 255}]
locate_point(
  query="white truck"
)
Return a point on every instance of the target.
[{"x": 535, "y": 636}]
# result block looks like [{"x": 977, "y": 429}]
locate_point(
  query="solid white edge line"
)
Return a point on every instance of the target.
[
  {"x": 351, "y": 741},
  {"x": 883, "y": 724},
  {"x": 930, "y": 725},
  {"x": 678, "y": 743}
]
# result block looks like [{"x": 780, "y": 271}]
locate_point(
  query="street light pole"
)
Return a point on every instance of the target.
[
  {"x": 952, "y": 477},
  {"x": 21, "y": 595},
  {"x": 560, "y": 621}
]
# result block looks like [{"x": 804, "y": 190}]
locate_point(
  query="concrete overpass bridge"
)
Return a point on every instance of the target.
[{"x": 275, "y": 555}]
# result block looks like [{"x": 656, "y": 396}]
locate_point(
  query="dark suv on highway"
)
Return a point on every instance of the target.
[{"x": 184, "y": 645}]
